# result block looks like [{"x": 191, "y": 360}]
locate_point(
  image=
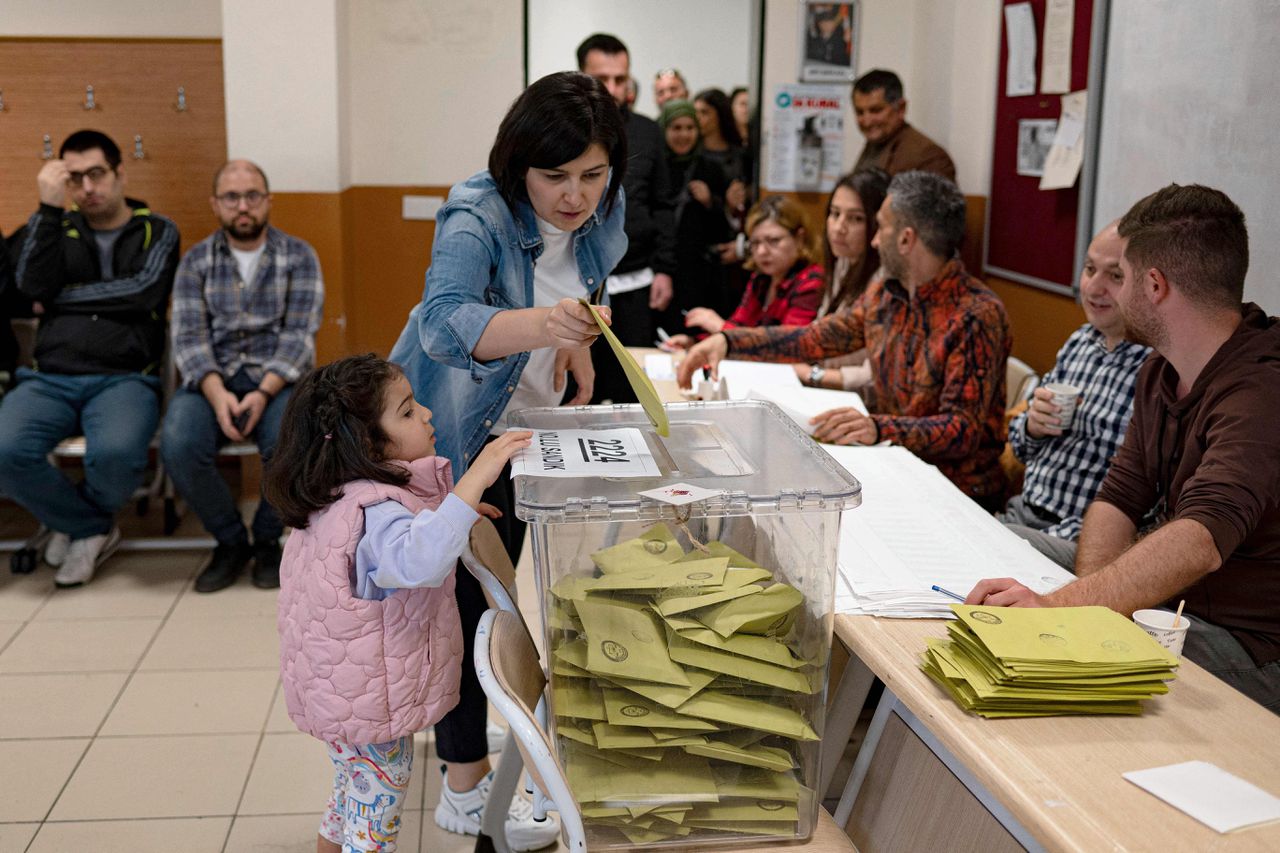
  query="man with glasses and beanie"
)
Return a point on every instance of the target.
[
  {"x": 246, "y": 306},
  {"x": 99, "y": 275}
]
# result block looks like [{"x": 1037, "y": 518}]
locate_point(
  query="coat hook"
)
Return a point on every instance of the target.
[
  {"x": 48, "y": 148},
  {"x": 1, "y": 100},
  {"x": 182, "y": 99},
  {"x": 137, "y": 147},
  {"x": 89, "y": 102}
]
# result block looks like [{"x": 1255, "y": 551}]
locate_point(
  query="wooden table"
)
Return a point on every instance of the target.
[{"x": 1054, "y": 782}]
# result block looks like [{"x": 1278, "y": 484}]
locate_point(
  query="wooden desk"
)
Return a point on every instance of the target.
[
  {"x": 1059, "y": 777},
  {"x": 1054, "y": 783}
]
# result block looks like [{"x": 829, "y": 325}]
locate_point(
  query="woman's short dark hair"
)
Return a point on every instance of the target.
[
  {"x": 554, "y": 121},
  {"x": 331, "y": 436},
  {"x": 720, "y": 102},
  {"x": 871, "y": 186}
]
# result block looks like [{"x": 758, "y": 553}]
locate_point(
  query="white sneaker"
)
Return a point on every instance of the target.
[
  {"x": 84, "y": 556},
  {"x": 497, "y": 736},
  {"x": 55, "y": 550},
  {"x": 463, "y": 813}
]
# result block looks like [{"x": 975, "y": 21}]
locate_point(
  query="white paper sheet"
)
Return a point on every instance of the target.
[
  {"x": 1066, "y": 155},
  {"x": 1020, "y": 32},
  {"x": 742, "y": 376},
  {"x": 801, "y": 404},
  {"x": 660, "y": 367},
  {"x": 585, "y": 453},
  {"x": 892, "y": 550},
  {"x": 1220, "y": 800},
  {"x": 1055, "y": 70}
]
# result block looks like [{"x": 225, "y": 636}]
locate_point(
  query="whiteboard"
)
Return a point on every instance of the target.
[
  {"x": 708, "y": 40},
  {"x": 1192, "y": 95}
]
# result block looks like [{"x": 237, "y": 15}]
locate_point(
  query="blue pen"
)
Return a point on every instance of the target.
[{"x": 937, "y": 588}]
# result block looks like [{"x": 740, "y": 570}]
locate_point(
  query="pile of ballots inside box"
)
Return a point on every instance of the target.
[
  {"x": 682, "y": 699},
  {"x": 1036, "y": 662}
]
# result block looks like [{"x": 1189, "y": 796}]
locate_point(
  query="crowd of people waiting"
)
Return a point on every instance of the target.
[{"x": 1165, "y": 486}]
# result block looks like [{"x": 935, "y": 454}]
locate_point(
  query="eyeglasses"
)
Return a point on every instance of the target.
[
  {"x": 669, "y": 72},
  {"x": 95, "y": 175},
  {"x": 232, "y": 200},
  {"x": 771, "y": 242}
]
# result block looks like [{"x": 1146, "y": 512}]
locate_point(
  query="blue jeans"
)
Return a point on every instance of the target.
[
  {"x": 117, "y": 415},
  {"x": 189, "y": 445},
  {"x": 1215, "y": 649}
]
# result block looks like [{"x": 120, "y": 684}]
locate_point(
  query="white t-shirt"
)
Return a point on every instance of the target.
[
  {"x": 247, "y": 261},
  {"x": 555, "y": 277}
]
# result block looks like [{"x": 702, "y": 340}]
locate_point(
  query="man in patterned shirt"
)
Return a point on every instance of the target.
[
  {"x": 1065, "y": 469},
  {"x": 937, "y": 338},
  {"x": 246, "y": 306}
]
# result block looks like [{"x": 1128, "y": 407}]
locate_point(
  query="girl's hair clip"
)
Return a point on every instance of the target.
[{"x": 328, "y": 436}]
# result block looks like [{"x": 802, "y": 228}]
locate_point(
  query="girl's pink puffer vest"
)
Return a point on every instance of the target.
[{"x": 365, "y": 671}]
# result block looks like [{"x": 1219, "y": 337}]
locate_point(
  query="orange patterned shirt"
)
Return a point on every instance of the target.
[{"x": 938, "y": 364}]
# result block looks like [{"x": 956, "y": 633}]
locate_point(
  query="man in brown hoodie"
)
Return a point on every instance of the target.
[{"x": 1202, "y": 453}]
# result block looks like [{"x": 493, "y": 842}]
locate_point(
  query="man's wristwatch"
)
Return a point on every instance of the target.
[
  {"x": 269, "y": 396},
  {"x": 815, "y": 375}
]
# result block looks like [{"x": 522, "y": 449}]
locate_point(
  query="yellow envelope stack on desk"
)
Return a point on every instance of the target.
[
  {"x": 1035, "y": 662},
  {"x": 678, "y": 692}
]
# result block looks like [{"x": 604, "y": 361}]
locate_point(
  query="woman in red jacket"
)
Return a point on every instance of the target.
[{"x": 787, "y": 280}]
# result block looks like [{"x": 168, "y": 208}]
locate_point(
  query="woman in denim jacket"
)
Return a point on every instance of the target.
[{"x": 499, "y": 326}]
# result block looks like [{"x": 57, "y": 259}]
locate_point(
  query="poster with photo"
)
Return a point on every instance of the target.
[
  {"x": 827, "y": 33},
  {"x": 1035, "y": 138},
  {"x": 805, "y": 140}
]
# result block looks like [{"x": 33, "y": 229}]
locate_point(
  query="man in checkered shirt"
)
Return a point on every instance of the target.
[
  {"x": 1065, "y": 469},
  {"x": 247, "y": 303}
]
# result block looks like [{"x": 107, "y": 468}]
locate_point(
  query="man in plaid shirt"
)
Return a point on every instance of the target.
[
  {"x": 1065, "y": 468},
  {"x": 246, "y": 306}
]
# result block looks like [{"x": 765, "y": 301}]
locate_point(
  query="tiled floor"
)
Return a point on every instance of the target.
[{"x": 138, "y": 715}]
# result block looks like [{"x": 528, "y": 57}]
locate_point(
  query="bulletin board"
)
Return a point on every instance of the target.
[{"x": 1031, "y": 233}]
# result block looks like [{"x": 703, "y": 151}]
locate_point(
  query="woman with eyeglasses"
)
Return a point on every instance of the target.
[{"x": 787, "y": 281}]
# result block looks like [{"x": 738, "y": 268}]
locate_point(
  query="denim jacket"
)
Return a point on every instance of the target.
[{"x": 482, "y": 263}]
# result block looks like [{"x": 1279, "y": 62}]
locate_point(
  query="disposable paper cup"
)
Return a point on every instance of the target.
[
  {"x": 1064, "y": 397},
  {"x": 1159, "y": 624}
]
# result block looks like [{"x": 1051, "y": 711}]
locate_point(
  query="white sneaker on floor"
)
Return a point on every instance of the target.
[
  {"x": 463, "y": 813},
  {"x": 497, "y": 736},
  {"x": 84, "y": 556},
  {"x": 55, "y": 550}
]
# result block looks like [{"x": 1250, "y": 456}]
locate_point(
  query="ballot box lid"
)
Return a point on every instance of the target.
[{"x": 749, "y": 449}]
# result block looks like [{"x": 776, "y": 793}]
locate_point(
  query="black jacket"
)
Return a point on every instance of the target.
[
  {"x": 649, "y": 223},
  {"x": 90, "y": 325},
  {"x": 8, "y": 297}
]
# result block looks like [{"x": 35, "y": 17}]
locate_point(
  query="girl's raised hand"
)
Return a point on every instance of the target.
[
  {"x": 571, "y": 326},
  {"x": 488, "y": 465}
]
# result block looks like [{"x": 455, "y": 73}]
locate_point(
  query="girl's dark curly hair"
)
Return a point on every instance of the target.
[{"x": 331, "y": 436}]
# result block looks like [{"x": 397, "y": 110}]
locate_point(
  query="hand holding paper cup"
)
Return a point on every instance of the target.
[
  {"x": 1065, "y": 397},
  {"x": 1167, "y": 629}
]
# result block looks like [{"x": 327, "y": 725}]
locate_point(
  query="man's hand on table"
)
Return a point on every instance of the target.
[{"x": 1004, "y": 592}]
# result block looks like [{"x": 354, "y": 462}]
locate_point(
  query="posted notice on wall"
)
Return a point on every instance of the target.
[
  {"x": 585, "y": 453},
  {"x": 806, "y": 136},
  {"x": 1066, "y": 153}
]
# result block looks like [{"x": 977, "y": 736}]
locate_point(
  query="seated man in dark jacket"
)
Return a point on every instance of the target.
[{"x": 101, "y": 275}]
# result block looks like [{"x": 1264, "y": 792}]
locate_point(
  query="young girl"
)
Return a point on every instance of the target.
[{"x": 371, "y": 647}]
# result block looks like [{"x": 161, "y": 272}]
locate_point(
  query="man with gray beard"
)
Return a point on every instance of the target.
[{"x": 246, "y": 306}]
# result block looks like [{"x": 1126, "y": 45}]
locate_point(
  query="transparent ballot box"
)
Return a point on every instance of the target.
[{"x": 687, "y": 647}]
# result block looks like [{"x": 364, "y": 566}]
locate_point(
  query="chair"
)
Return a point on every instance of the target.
[
  {"x": 512, "y": 677},
  {"x": 486, "y": 558},
  {"x": 1020, "y": 382}
]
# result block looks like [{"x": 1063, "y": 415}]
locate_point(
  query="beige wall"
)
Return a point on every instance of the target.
[
  {"x": 111, "y": 18},
  {"x": 427, "y": 85}
]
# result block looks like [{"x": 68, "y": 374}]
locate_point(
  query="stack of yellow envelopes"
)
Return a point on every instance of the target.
[
  {"x": 1034, "y": 662},
  {"x": 682, "y": 701}
]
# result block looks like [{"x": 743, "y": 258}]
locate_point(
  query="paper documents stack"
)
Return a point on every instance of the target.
[
  {"x": 915, "y": 529},
  {"x": 1039, "y": 662},
  {"x": 681, "y": 701}
]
